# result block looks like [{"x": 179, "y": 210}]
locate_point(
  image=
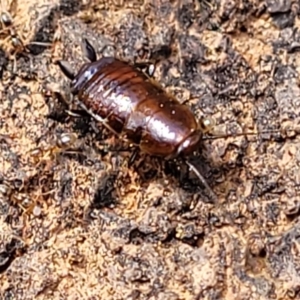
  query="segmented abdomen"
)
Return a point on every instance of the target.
[{"x": 136, "y": 108}]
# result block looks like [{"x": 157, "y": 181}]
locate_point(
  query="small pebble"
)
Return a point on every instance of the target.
[{"x": 37, "y": 211}]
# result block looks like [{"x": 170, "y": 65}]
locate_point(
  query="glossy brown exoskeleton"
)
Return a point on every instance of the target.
[{"x": 134, "y": 107}]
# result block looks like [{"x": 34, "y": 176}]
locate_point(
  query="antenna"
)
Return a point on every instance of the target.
[{"x": 208, "y": 124}]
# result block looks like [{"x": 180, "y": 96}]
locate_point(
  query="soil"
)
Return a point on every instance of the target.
[{"x": 77, "y": 221}]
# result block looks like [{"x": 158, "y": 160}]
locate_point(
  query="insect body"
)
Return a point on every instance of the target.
[{"x": 132, "y": 106}]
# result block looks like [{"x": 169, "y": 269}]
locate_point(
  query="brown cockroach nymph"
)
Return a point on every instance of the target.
[{"x": 132, "y": 106}]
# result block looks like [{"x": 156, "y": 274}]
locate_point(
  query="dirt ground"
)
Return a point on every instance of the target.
[{"x": 76, "y": 222}]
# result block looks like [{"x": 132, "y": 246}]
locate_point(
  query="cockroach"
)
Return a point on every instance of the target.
[{"x": 136, "y": 108}]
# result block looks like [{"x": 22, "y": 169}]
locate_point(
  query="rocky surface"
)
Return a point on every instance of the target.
[{"x": 76, "y": 222}]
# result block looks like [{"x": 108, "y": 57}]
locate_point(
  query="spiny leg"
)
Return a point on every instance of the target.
[
  {"x": 133, "y": 156},
  {"x": 202, "y": 180},
  {"x": 77, "y": 113}
]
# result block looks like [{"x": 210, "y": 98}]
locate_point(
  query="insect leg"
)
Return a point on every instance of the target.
[
  {"x": 202, "y": 180},
  {"x": 133, "y": 157},
  {"x": 189, "y": 99},
  {"x": 96, "y": 117},
  {"x": 77, "y": 113}
]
